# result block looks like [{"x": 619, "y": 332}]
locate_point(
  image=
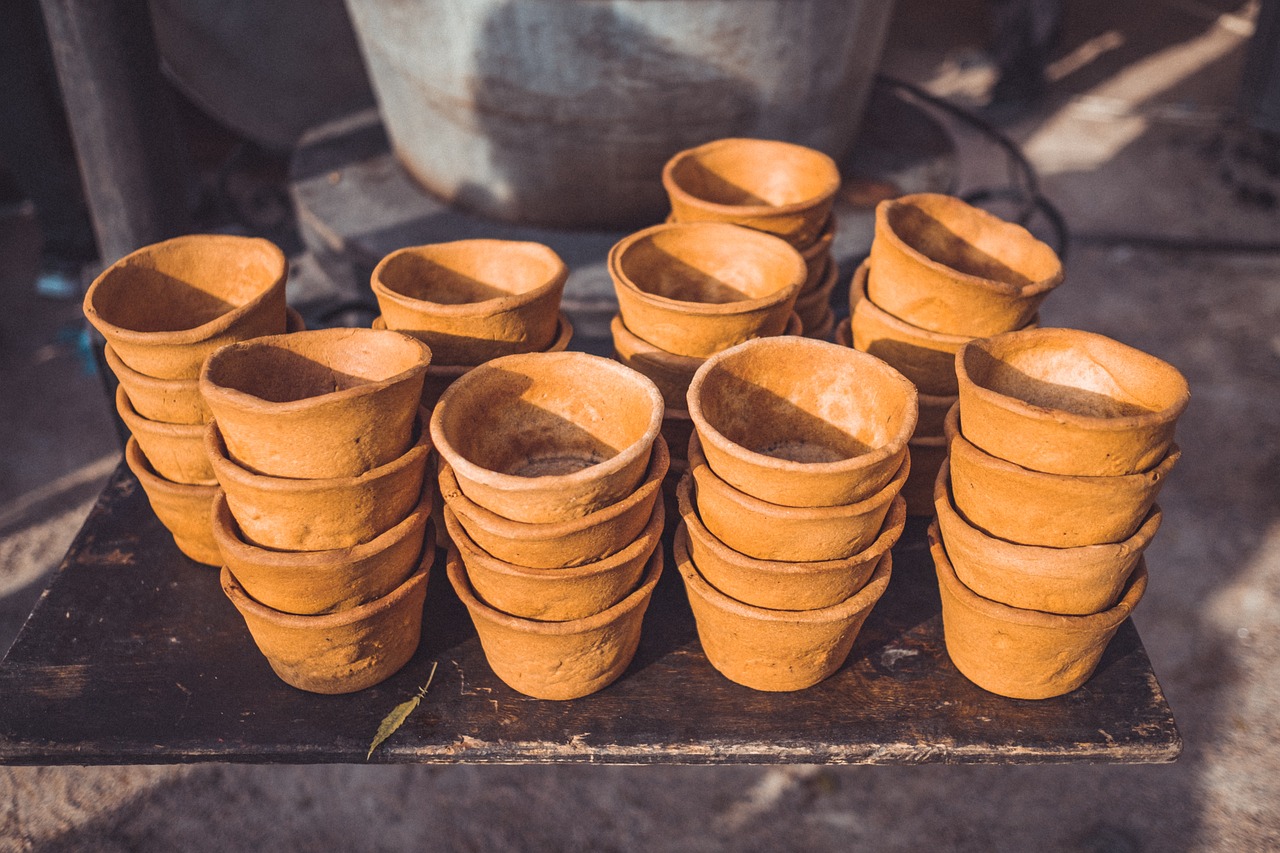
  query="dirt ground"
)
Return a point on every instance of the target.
[{"x": 1133, "y": 145}]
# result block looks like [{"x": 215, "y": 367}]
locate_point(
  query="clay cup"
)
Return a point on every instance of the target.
[
  {"x": 182, "y": 508},
  {"x": 175, "y": 451}
]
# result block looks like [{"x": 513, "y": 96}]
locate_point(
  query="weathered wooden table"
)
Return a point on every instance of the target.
[{"x": 133, "y": 655}]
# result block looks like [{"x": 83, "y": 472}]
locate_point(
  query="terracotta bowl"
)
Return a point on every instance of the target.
[
  {"x": 1024, "y": 654},
  {"x": 1072, "y": 581},
  {"x": 175, "y": 401},
  {"x": 167, "y": 306},
  {"x": 775, "y": 650},
  {"x": 696, "y": 289},
  {"x": 799, "y": 422},
  {"x": 677, "y": 428},
  {"x": 329, "y": 403},
  {"x": 339, "y": 652},
  {"x": 559, "y": 660},
  {"x": 556, "y": 595},
  {"x": 933, "y": 415},
  {"x": 767, "y": 531},
  {"x": 773, "y": 186},
  {"x": 819, "y": 294},
  {"x": 314, "y": 582},
  {"x": 817, "y": 256},
  {"x": 175, "y": 451},
  {"x": 183, "y": 509},
  {"x": 441, "y": 376},
  {"x": 946, "y": 266},
  {"x": 559, "y": 545},
  {"x": 670, "y": 372},
  {"x": 547, "y": 437},
  {"x": 1053, "y": 510},
  {"x": 785, "y": 584},
  {"x": 1069, "y": 402},
  {"x": 285, "y": 513},
  {"x": 927, "y": 455},
  {"x": 473, "y": 300},
  {"x": 927, "y": 358}
]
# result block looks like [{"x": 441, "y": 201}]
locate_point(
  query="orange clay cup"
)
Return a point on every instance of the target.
[
  {"x": 1024, "y": 654},
  {"x": 696, "y": 289},
  {"x": 441, "y": 376},
  {"x": 926, "y": 358},
  {"x": 324, "y": 581},
  {"x": 546, "y": 437},
  {"x": 772, "y": 186},
  {"x": 818, "y": 295},
  {"x": 183, "y": 509},
  {"x": 787, "y": 584},
  {"x": 946, "y": 266},
  {"x": 564, "y": 544},
  {"x": 329, "y": 403},
  {"x": 1069, "y": 402},
  {"x": 766, "y": 531},
  {"x": 175, "y": 401},
  {"x": 1071, "y": 581},
  {"x": 285, "y": 513},
  {"x": 817, "y": 257},
  {"x": 339, "y": 652},
  {"x": 174, "y": 451},
  {"x": 556, "y": 595},
  {"x": 1052, "y": 510},
  {"x": 559, "y": 660},
  {"x": 775, "y": 650},
  {"x": 167, "y": 306},
  {"x": 671, "y": 373},
  {"x": 800, "y": 422},
  {"x": 473, "y": 300},
  {"x": 927, "y": 455},
  {"x": 677, "y": 429}
]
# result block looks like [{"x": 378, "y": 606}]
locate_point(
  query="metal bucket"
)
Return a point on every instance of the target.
[{"x": 562, "y": 112}]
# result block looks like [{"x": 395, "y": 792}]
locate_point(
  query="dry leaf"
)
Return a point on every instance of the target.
[{"x": 398, "y": 715}]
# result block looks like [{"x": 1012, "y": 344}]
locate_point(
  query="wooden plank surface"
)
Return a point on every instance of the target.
[{"x": 133, "y": 655}]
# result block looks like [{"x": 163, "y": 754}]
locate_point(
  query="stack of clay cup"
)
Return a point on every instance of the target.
[
  {"x": 320, "y": 447},
  {"x": 791, "y": 505},
  {"x": 1060, "y": 443},
  {"x": 162, "y": 310},
  {"x": 941, "y": 273},
  {"x": 471, "y": 301},
  {"x": 776, "y": 187},
  {"x": 551, "y": 471},
  {"x": 689, "y": 291}
]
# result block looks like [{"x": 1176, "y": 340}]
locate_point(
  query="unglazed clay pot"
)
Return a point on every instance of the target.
[
  {"x": 167, "y": 306},
  {"x": 592, "y": 537},
  {"x": 1072, "y": 581},
  {"x": 776, "y": 650},
  {"x": 545, "y": 437},
  {"x": 328, "y": 403},
  {"x": 175, "y": 451},
  {"x": 314, "y": 582},
  {"x": 928, "y": 452},
  {"x": 287, "y": 513},
  {"x": 441, "y": 376},
  {"x": 800, "y": 422},
  {"x": 183, "y": 509},
  {"x": 1024, "y": 654},
  {"x": 175, "y": 401},
  {"x": 933, "y": 415},
  {"x": 788, "y": 583},
  {"x": 556, "y": 595},
  {"x": 473, "y": 300},
  {"x": 670, "y": 372},
  {"x": 339, "y": 652},
  {"x": 817, "y": 256},
  {"x": 926, "y": 358},
  {"x": 677, "y": 428},
  {"x": 1054, "y": 510},
  {"x": 559, "y": 660},
  {"x": 818, "y": 295},
  {"x": 946, "y": 266},
  {"x": 772, "y": 186},
  {"x": 696, "y": 289},
  {"x": 767, "y": 531},
  {"x": 1065, "y": 401}
]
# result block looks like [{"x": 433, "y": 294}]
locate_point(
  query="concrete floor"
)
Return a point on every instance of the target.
[{"x": 1131, "y": 142}]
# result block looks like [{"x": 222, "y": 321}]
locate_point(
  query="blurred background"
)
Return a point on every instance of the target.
[{"x": 1154, "y": 128}]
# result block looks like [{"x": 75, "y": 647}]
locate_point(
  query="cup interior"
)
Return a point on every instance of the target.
[
  {"x": 709, "y": 264},
  {"x": 465, "y": 272},
  {"x": 753, "y": 173}
]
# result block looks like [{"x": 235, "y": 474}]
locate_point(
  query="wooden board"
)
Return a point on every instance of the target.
[{"x": 133, "y": 655}]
